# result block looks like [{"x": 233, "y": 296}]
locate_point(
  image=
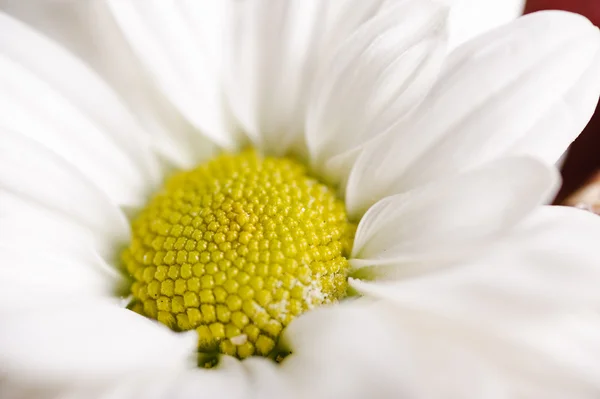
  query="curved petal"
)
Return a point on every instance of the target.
[
  {"x": 561, "y": 124},
  {"x": 529, "y": 305},
  {"x": 469, "y": 18},
  {"x": 274, "y": 51},
  {"x": 548, "y": 263},
  {"x": 88, "y": 29},
  {"x": 361, "y": 350},
  {"x": 448, "y": 219},
  {"x": 90, "y": 342},
  {"x": 41, "y": 178},
  {"x": 180, "y": 44},
  {"x": 42, "y": 98},
  {"x": 491, "y": 95},
  {"x": 37, "y": 276},
  {"x": 375, "y": 78},
  {"x": 26, "y": 225},
  {"x": 229, "y": 380}
]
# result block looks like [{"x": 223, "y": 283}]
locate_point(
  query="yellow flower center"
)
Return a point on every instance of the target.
[{"x": 236, "y": 249}]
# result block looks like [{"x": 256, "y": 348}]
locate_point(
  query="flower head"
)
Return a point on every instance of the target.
[{"x": 325, "y": 204}]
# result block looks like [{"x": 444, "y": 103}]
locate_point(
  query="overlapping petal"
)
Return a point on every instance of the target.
[
  {"x": 384, "y": 346},
  {"x": 492, "y": 94},
  {"x": 39, "y": 177},
  {"x": 446, "y": 220},
  {"x": 547, "y": 263},
  {"x": 470, "y": 18},
  {"x": 56, "y": 344},
  {"x": 89, "y": 30},
  {"x": 273, "y": 53},
  {"x": 90, "y": 127},
  {"x": 376, "y": 77},
  {"x": 528, "y": 306},
  {"x": 181, "y": 44}
]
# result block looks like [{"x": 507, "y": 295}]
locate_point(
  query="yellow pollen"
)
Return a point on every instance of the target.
[{"x": 236, "y": 249}]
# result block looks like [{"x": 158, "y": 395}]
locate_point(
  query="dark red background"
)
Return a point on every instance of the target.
[{"x": 584, "y": 156}]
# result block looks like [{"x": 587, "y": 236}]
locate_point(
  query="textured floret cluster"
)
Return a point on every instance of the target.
[{"x": 236, "y": 249}]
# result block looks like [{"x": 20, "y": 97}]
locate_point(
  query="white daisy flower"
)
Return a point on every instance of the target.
[{"x": 322, "y": 204}]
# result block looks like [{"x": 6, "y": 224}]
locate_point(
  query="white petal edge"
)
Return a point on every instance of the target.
[
  {"x": 41, "y": 178},
  {"x": 375, "y": 77},
  {"x": 536, "y": 291},
  {"x": 89, "y": 341},
  {"x": 89, "y": 30},
  {"x": 273, "y": 54},
  {"x": 548, "y": 263},
  {"x": 90, "y": 127},
  {"x": 450, "y": 219},
  {"x": 181, "y": 45},
  {"x": 491, "y": 94},
  {"x": 364, "y": 349},
  {"x": 37, "y": 276},
  {"x": 231, "y": 379},
  {"x": 562, "y": 123},
  {"x": 470, "y": 18}
]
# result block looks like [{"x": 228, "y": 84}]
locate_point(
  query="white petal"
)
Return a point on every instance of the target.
[
  {"x": 470, "y": 18},
  {"x": 548, "y": 264},
  {"x": 88, "y": 29},
  {"x": 446, "y": 220},
  {"x": 274, "y": 52},
  {"x": 491, "y": 95},
  {"x": 181, "y": 44},
  {"x": 26, "y": 224},
  {"x": 529, "y": 304},
  {"x": 41, "y": 178},
  {"x": 562, "y": 123},
  {"x": 89, "y": 341},
  {"x": 344, "y": 353},
  {"x": 361, "y": 350},
  {"x": 30, "y": 277},
  {"x": 43, "y": 97},
  {"x": 374, "y": 79},
  {"x": 548, "y": 358},
  {"x": 229, "y": 380},
  {"x": 270, "y": 43}
]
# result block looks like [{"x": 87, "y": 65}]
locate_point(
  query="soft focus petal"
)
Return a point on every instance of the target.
[
  {"x": 42, "y": 179},
  {"x": 230, "y": 380},
  {"x": 181, "y": 44},
  {"x": 88, "y": 29},
  {"x": 451, "y": 218},
  {"x": 470, "y": 18},
  {"x": 563, "y": 122},
  {"x": 89, "y": 341},
  {"x": 360, "y": 350},
  {"x": 36, "y": 276},
  {"x": 373, "y": 80},
  {"x": 265, "y": 58},
  {"x": 273, "y": 53},
  {"x": 90, "y": 128},
  {"x": 529, "y": 305},
  {"x": 492, "y": 94},
  {"x": 547, "y": 265},
  {"x": 36, "y": 273}
]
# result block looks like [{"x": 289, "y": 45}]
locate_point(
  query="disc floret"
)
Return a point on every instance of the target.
[{"x": 236, "y": 249}]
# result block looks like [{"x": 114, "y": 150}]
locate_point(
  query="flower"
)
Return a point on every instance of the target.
[{"x": 354, "y": 116}]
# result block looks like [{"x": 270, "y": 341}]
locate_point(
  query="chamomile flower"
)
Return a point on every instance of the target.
[{"x": 331, "y": 206}]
